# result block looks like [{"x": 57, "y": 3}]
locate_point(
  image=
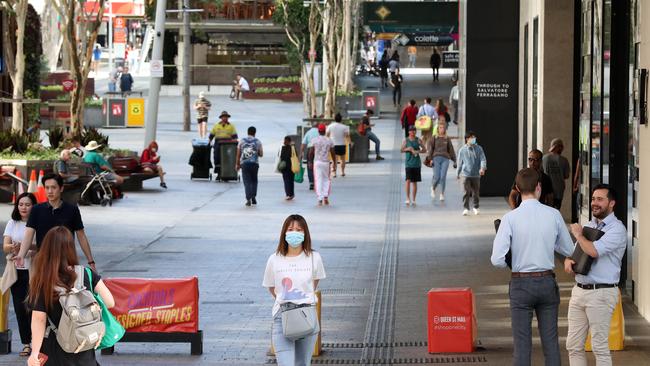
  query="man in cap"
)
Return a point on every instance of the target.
[
  {"x": 558, "y": 169},
  {"x": 202, "y": 106},
  {"x": 323, "y": 150},
  {"x": 99, "y": 164},
  {"x": 223, "y": 130}
]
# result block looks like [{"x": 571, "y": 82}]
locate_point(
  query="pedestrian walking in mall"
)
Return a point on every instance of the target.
[
  {"x": 440, "y": 150},
  {"x": 223, "y": 130},
  {"x": 393, "y": 64},
  {"x": 409, "y": 115},
  {"x": 249, "y": 151},
  {"x": 150, "y": 161},
  {"x": 12, "y": 238},
  {"x": 434, "y": 62},
  {"x": 113, "y": 77},
  {"x": 396, "y": 82},
  {"x": 412, "y": 147},
  {"x": 442, "y": 110},
  {"x": 428, "y": 110},
  {"x": 472, "y": 165},
  {"x": 596, "y": 294},
  {"x": 305, "y": 149},
  {"x": 383, "y": 69},
  {"x": 57, "y": 265},
  {"x": 292, "y": 276},
  {"x": 286, "y": 151},
  {"x": 97, "y": 56},
  {"x": 532, "y": 233},
  {"x": 558, "y": 168},
  {"x": 453, "y": 100},
  {"x": 126, "y": 82},
  {"x": 365, "y": 120},
  {"x": 54, "y": 212},
  {"x": 413, "y": 55},
  {"x": 202, "y": 106},
  {"x": 546, "y": 198},
  {"x": 340, "y": 136},
  {"x": 323, "y": 151}
]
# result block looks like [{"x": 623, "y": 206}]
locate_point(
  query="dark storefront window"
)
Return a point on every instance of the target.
[
  {"x": 524, "y": 128},
  {"x": 596, "y": 92},
  {"x": 584, "y": 138},
  {"x": 535, "y": 78},
  {"x": 607, "y": 52}
]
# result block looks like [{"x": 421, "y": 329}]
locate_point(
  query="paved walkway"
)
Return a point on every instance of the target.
[{"x": 380, "y": 256}]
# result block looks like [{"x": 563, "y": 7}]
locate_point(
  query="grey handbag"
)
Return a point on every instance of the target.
[{"x": 300, "y": 321}]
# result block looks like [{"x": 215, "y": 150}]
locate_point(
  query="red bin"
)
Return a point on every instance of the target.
[{"x": 451, "y": 321}]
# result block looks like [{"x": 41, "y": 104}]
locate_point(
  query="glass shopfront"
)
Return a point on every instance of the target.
[{"x": 607, "y": 127}]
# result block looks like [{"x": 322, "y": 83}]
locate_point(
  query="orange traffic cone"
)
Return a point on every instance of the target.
[
  {"x": 33, "y": 185},
  {"x": 41, "y": 196}
]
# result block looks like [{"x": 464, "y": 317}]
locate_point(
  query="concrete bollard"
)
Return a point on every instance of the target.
[{"x": 5, "y": 332}]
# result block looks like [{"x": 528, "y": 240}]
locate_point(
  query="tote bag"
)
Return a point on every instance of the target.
[
  {"x": 114, "y": 330},
  {"x": 295, "y": 163}
]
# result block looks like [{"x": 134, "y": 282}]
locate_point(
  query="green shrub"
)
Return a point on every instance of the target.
[
  {"x": 92, "y": 134},
  {"x": 52, "y": 87},
  {"x": 47, "y": 154},
  {"x": 56, "y": 135},
  {"x": 13, "y": 141}
]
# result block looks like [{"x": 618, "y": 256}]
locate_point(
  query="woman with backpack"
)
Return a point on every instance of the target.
[
  {"x": 55, "y": 270},
  {"x": 291, "y": 276},
  {"x": 12, "y": 238}
]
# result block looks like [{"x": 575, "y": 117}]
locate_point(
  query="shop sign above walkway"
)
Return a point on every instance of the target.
[
  {"x": 411, "y": 16},
  {"x": 424, "y": 39}
]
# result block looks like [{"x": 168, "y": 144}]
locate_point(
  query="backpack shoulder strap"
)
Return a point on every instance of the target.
[
  {"x": 90, "y": 278},
  {"x": 79, "y": 282}
]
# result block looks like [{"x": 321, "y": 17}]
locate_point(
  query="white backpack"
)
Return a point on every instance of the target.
[{"x": 81, "y": 327}]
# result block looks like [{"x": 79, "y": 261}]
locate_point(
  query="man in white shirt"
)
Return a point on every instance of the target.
[
  {"x": 453, "y": 100},
  {"x": 241, "y": 85},
  {"x": 339, "y": 134}
]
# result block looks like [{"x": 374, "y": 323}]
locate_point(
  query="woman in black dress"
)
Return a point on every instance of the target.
[
  {"x": 54, "y": 266},
  {"x": 287, "y": 173}
]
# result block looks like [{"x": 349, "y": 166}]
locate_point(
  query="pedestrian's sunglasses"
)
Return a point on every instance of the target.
[{"x": 533, "y": 159}]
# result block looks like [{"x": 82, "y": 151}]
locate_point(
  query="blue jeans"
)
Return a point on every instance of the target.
[
  {"x": 440, "y": 167},
  {"x": 291, "y": 353},
  {"x": 249, "y": 176},
  {"x": 372, "y": 137},
  {"x": 111, "y": 87},
  {"x": 541, "y": 295}
]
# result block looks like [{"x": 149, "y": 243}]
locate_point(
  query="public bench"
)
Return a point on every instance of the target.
[{"x": 131, "y": 170}]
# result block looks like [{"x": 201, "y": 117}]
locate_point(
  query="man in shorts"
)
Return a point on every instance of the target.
[
  {"x": 340, "y": 135},
  {"x": 99, "y": 164},
  {"x": 202, "y": 106}
]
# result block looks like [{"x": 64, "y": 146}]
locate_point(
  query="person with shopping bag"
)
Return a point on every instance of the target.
[
  {"x": 287, "y": 158},
  {"x": 292, "y": 275},
  {"x": 16, "y": 277}
]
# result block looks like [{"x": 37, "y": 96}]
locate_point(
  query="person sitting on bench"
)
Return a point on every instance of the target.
[
  {"x": 99, "y": 164},
  {"x": 150, "y": 161}
]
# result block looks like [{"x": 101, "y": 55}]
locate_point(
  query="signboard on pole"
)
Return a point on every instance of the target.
[
  {"x": 450, "y": 59},
  {"x": 156, "y": 68},
  {"x": 119, "y": 37}
]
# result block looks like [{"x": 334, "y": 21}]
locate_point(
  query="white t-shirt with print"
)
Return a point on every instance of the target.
[
  {"x": 337, "y": 132},
  {"x": 16, "y": 231},
  {"x": 292, "y": 278}
]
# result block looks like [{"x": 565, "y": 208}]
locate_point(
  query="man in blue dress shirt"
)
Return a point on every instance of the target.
[
  {"x": 595, "y": 295},
  {"x": 532, "y": 232}
]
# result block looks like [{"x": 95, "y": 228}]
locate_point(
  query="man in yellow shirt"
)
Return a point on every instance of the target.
[{"x": 223, "y": 130}]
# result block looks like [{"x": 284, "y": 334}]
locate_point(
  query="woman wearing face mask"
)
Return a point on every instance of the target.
[
  {"x": 13, "y": 237},
  {"x": 150, "y": 161},
  {"x": 292, "y": 275}
]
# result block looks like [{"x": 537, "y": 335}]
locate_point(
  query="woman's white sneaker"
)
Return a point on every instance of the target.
[
  {"x": 465, "y": 212},
  {"x": 442, "y": 197}
]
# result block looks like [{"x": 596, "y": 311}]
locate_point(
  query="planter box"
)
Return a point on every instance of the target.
[
  {"x": 359, "y": 149},
  {"x": 93, "y": 117},
  {"x": 288, "y": 97},
  {"x": 25, "y": 167},
  {"x": 294, "y": 86}
]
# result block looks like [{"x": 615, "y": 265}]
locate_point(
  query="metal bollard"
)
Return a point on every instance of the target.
[
  {"x": 5, "y": 332},
  {"x": 318, "y": 347}
]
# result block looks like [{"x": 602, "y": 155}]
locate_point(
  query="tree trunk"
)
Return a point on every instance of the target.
[
  {"x": 330, "y": 25},
  {"x": 315, "y": 26},
  {"x": 79, "y": 56},
  {"x": 18, "y": 80}
]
